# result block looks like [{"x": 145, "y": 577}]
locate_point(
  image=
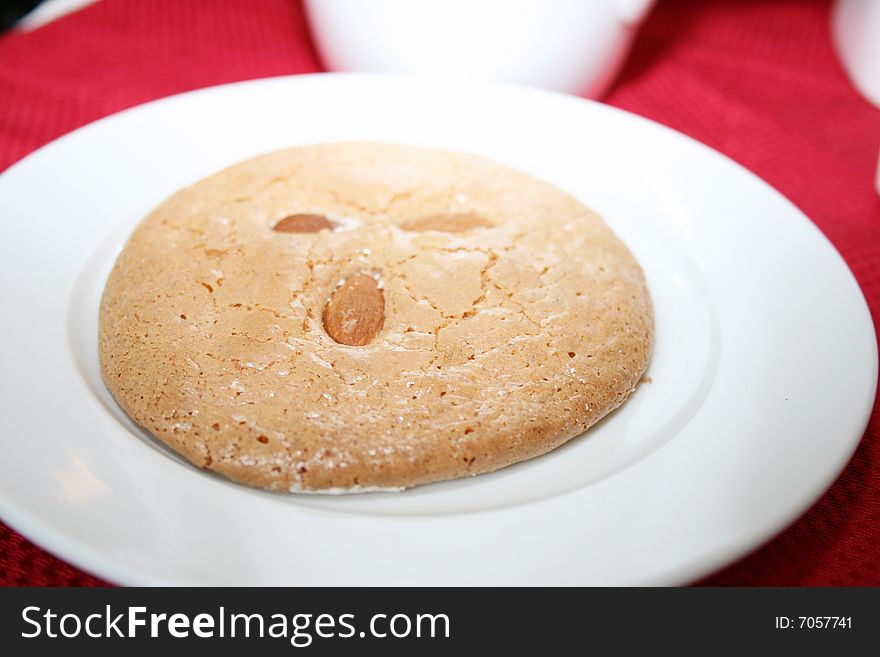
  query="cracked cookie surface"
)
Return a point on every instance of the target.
[{"x": 512, "y": 319}]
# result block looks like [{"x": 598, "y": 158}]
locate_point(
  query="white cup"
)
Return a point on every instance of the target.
[
  {"x": 855, "y": 26},
  {"x": 575, "y": 46}
]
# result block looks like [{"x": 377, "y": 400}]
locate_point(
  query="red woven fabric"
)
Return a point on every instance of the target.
[{"x": 757, "y": 80}]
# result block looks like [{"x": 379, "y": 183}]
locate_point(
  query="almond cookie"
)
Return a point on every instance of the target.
[{"x": 359, "y": 316}]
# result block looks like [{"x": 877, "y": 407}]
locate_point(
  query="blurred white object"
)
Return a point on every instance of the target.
[
  {"x": 567, "y": 45},
  {"x": 50, "y": 10},
  {"x": 855, "y": 25}
]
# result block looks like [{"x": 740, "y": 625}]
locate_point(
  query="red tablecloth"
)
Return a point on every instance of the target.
[{"x": 757, "y": 80}]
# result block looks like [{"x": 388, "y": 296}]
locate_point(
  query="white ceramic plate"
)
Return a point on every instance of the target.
[{"x": 763, "y": 376}]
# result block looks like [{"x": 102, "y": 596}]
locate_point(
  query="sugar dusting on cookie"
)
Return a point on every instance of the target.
[{"x": 496, "y": 318}]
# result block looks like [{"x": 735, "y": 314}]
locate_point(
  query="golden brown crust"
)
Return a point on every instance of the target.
[{"x": 498, "y": 342}]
